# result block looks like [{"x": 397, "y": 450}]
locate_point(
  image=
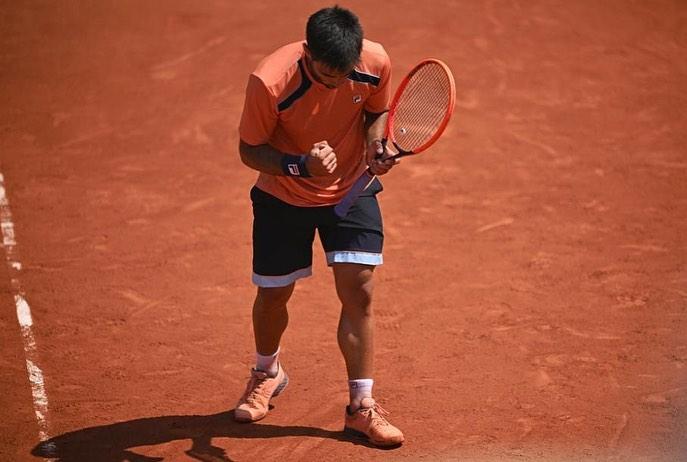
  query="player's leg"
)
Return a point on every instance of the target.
[
  {"x": 364, "y": 417},
  {"x": 354, "y": 247},
  {"x": 354, "y": 286},
  {"x": 282, "y": 254},
  {"x": 270, "y": 318}
]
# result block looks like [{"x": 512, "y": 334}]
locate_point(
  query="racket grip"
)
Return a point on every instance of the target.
[{"x": 341, "y": 209}]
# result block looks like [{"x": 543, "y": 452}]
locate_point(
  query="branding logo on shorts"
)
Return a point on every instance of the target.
[
  {"x": 293, "y": 169},
  {"x": 357, "y": 99}
]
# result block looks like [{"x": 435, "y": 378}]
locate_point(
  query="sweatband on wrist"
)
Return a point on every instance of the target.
[{"x": 294, "y": 165}]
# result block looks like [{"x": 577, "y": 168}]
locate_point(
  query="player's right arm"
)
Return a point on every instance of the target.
[
  {"x": 258, "y": 121},
  {"x": 321, "y": 160}
]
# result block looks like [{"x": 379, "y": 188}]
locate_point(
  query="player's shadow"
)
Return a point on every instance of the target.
[{"x": 115, "y": 442}]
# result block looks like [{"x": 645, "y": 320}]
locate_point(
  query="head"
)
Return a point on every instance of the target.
[{"x": 334, "y": 40}]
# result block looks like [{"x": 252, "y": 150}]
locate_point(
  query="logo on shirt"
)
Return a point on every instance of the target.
[{"x": 357, "y": 99}]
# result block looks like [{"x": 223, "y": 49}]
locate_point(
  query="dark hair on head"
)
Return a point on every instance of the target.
[{"x": 335, "y": 38}]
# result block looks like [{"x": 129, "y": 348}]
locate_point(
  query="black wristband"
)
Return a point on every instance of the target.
[{"x": 294, "y": 165}]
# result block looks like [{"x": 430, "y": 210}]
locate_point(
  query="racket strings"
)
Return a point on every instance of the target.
[
  {"x": 425, "y": 102},
  {"x": 422, "y": 107}
]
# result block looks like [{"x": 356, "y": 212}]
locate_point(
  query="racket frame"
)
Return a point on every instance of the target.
[{"x": 388, "y": 132}]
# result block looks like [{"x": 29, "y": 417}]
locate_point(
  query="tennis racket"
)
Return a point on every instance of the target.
[{"x": 419, "y": 113}]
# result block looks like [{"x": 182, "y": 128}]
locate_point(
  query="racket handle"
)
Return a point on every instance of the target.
[{"x": 341, "y": 209}]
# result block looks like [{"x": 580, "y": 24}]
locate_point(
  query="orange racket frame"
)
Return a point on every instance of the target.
[{"x": 388, "y": 134}]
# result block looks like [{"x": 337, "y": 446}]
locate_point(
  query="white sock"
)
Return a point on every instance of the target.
[
  {"x": 269, "y": 363},
  {"x": 359, "y": 389}
]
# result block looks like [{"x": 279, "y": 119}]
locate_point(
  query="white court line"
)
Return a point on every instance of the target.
[{"x": 40, "y": 398}]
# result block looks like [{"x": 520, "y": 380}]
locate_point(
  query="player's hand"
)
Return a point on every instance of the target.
[
  {"x": 321, "y": 159},
  {"x": 379, "y": 159}
]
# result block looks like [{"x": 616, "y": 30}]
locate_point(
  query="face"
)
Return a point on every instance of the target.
[{"x": 330, "y": 78}]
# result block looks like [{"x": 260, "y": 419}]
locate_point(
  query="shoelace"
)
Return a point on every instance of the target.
[
  {"x": 253, "y": 389},
  {"x": 376, "y": 413}
]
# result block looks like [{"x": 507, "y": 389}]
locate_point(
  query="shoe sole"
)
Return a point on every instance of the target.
[{"x": 360, "y": 435}]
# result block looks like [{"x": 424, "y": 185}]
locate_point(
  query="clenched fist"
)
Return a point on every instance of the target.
[{"x": 321, "y": 159}]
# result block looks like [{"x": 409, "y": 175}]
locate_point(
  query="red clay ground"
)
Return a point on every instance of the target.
[{"x": 534, "y": 301}]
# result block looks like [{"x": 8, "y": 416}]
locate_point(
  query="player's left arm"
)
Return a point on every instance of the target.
[
  {"x": 375, "y": 124},
  {"x": 376, "y": 115},
  {"x": 378, "y": 159}
]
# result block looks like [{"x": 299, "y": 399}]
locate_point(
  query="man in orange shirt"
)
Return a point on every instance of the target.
[{"x": 312, "y": 122}]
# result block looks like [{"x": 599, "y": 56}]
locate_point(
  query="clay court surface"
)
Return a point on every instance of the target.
[{"x": 533, "y": 303}]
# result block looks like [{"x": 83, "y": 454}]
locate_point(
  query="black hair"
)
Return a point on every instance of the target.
[{"x": 335, "y": 38}]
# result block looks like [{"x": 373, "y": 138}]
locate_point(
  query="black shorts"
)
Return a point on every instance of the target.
[{"x": 283, "y": 236}]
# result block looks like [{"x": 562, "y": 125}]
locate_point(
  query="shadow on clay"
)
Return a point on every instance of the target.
[{"x": 116, "y": 442}]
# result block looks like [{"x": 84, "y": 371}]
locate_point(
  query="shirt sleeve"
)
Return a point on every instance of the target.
[
  {"x": 259, "y": 116},
  {"x": 380, "y": 98}
]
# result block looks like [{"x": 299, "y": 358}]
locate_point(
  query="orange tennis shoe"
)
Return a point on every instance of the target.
[
  {"x": 261, "y": 388},
  {"x": 370, "y": 422}
]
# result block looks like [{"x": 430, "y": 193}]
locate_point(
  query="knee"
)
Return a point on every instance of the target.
[
  {"x": 273, "y": 298},
  {"x": 359, "y": 297},
  {"x": 356, "y": 295}
]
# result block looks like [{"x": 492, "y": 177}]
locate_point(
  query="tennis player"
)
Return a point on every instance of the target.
[{"x": 312, "y": 122}]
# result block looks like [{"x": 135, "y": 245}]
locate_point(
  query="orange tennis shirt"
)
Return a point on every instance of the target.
[{"x": 288, "y": 109}]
